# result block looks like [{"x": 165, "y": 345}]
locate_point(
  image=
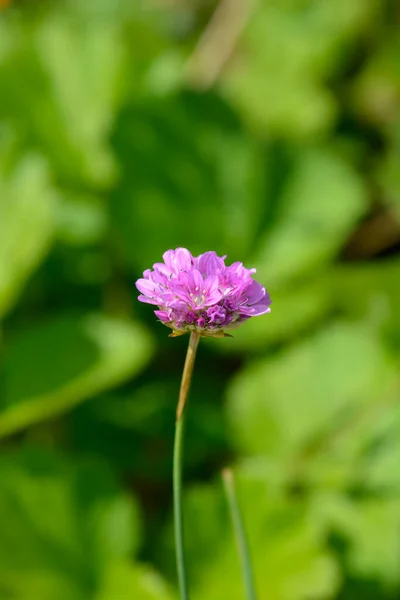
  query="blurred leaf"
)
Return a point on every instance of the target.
[
  {"x": 208, "y": 519},
  {"x": 26, "y": 223},
  {"x": 212, "y": 200},
  {"x": 134, "y": 431},
  {"x": 82, "y": 220},
  {"x": 380, "y": 470},
  {"x": 295, "y": 311},
  {"x": 376, "y": 91},
  {"x": 376, "y": 97},
  {"x": 374, "y": 526},
  {"x": 371, "y": 292},
  {"x": 322, "y": 200},
  {"x": 286, "y": 545},
  {"x": 371, "y": 528},
  {"x": 124, "y": 582},
  {"x": 388, "y": 172},
  {"x": 84, "y": 65},
  {"x": 306, "y": 107},
  {"x": 62, "y": 83},
  {"x": 289, "y": 50},
  {"x": 61, "y": 527},
  {"x": 278, "y": 406},
  {"x": 109, "y": 10},
  {"x": 60, "y": 363}
]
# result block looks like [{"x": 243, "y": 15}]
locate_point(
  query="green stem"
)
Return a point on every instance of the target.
[
  {"x": 177, "y": 467},
  {"x": 240, "y": 534}
]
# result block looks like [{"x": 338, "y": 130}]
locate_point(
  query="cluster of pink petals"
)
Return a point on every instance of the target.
[{"x": 201, "y": 293}]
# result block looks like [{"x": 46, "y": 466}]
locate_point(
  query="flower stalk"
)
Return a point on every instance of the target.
[
  {"x": 177, "y": 465},
  {"x": 240, "y": 534},
  {"x": 203, "y": 296},
  {"x": 187, "y": 374}
]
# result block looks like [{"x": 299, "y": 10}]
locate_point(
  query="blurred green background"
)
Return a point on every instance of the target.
[{"x": 268, "y": 131}]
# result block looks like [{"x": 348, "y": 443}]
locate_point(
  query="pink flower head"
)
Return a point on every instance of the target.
[{"x": 201, "y": 293}]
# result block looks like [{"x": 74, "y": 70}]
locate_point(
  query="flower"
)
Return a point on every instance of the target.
[{"x": 201, "y": 293}]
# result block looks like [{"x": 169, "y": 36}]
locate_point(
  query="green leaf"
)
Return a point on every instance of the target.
[
  {"x": 81, "y": 220},
  {"x": 122, "y": 581},
  {"x": 281, "y": 405},
  {"x": 215, "y": 199},
  {"x": 67, "y": 89},
  {"x": 322, "y": 200},
  {"x": 380, "y": 472},
  {"x": 62, "y": 526},
  {"x": 389, "y": 179},
  {"x": 370, "y": 292},
  {"x": 287, "y": 51},
  {"x": 376, "y": 90},
  {"x": 26, "y": 223},
  {"x": 83, "y": 64},
  {"x": 373, "y": 526},
  {"x": 370, "y": 526},
  {"x": 294, "y": 311},
  {"x": 58, "y": 364},
  {"x": 103, "y": 10},
  {"x": 287, "y": 547},
  {"x": 122, "y": 427}
]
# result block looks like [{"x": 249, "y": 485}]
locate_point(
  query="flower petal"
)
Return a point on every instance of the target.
[{"x": 202, "y": 293}]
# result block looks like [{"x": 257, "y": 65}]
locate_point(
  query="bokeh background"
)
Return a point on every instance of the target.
[{"x": 266, "y": 130}]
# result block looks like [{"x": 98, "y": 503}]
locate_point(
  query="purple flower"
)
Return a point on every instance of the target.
[{"x": 201, "y": 293}]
